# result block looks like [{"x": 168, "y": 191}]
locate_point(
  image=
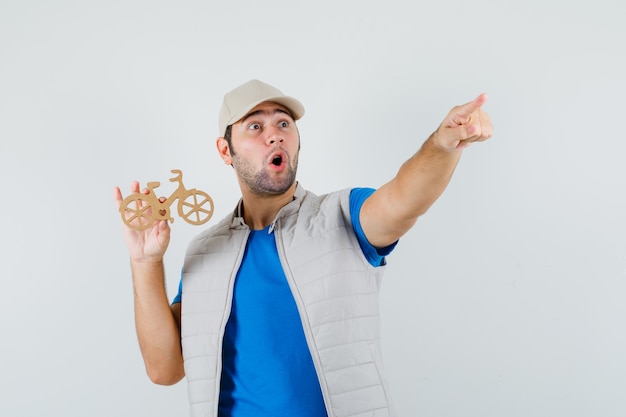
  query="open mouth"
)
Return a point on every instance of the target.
[{"x": 277, "y": 160}]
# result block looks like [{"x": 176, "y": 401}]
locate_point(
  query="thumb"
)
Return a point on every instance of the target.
[{"x": 452, "y": 137}]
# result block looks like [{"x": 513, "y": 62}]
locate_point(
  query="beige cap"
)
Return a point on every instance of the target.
[{"x": 238, "y": 102}]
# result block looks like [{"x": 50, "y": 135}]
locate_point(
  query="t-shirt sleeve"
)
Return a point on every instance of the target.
[
  {"x": 179, "y": 295},
  {"x": 375, "y": 256}
]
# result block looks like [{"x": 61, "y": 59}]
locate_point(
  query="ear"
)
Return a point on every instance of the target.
[{"x": 224, "y": 150}]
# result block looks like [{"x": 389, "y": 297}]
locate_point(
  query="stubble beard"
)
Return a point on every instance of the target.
[{"x": 264, "y": 183}]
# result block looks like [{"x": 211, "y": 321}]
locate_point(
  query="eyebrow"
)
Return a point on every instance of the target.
[{"x": 254, "y": 113}]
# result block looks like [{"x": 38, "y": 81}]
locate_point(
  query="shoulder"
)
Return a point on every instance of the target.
[
  {"x": 332, "y": 199},
  {"x": 220, "y": 228},
  {"x": 215, "y": 236},
  {"x": 324, "y": 211}
]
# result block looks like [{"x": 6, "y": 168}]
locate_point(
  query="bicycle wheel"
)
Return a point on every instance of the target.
[
  {"x": 196, "y": 207},
  {"x": 136, "y": 212}
]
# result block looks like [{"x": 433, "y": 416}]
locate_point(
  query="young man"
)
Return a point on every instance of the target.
[{"x": 277, "y": 312}]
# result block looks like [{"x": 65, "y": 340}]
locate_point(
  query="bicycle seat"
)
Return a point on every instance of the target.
[{"x": 153, "y": 184}]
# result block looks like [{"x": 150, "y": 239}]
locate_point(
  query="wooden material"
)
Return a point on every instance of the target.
[{"x": 139, "y": 211}]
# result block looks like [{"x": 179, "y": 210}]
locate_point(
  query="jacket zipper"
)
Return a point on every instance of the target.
[
  {"x": 229, "y": 304},
  {"x": 302, "y": 312}
]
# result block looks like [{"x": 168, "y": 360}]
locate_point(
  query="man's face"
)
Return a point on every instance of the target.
[{"x": 264, "y": 149}]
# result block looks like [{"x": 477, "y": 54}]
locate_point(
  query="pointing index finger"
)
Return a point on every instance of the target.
[{"x": 467, "y": 109}]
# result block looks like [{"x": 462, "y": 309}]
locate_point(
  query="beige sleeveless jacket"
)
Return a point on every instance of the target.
[{"x": 334, "y": 286}]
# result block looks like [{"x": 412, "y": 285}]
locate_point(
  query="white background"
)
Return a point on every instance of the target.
[{"x": 506, "y": 299}]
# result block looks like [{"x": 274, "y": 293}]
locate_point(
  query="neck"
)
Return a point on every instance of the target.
[{"x": 260, "y": 211}]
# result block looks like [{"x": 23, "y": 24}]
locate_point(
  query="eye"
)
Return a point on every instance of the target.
[
  {"x": 254, "y": 126},
  {"x": 283, "y": 124}
]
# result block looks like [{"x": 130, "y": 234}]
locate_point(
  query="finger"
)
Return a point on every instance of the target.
[
  {"x": 117, "y": 196},
  {"x": 482, "y": 129},
  {"x": 454, "y": 137},
  {"x": 465, "y": 111},
  {"x": 467, "y": 132},
  {"x": 487, "y": 126},
  {"x": 164, "y": 227}
]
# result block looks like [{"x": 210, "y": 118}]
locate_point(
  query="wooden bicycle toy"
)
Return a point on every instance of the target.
[{"x": 139, "y": 211}]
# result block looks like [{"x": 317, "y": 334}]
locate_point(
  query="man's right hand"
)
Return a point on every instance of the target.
[{"x": 145, "y": 246}]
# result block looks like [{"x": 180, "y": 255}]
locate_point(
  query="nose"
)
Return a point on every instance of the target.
[{"x": 274, "y": 135}]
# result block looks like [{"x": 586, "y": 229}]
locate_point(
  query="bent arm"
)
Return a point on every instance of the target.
[
  {"x": 395, "y": 207},
  {"x": 157, "y": 324}
]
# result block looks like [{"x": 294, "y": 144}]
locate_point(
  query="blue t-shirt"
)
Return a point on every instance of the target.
[{"x": 267, "y": 367}]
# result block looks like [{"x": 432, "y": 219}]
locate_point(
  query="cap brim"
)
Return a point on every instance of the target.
[{"x": 294, "y": 106}]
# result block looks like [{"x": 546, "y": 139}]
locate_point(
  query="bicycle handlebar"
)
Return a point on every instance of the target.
[{"x": 178, "y": 177}]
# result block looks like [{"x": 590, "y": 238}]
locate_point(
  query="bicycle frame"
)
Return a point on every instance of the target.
[{"x": 139, "y": 211}]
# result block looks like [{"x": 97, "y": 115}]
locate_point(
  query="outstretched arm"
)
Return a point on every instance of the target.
[
  {"x": 157, "y": 324},
  {"x": 393, "y": 209}
]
